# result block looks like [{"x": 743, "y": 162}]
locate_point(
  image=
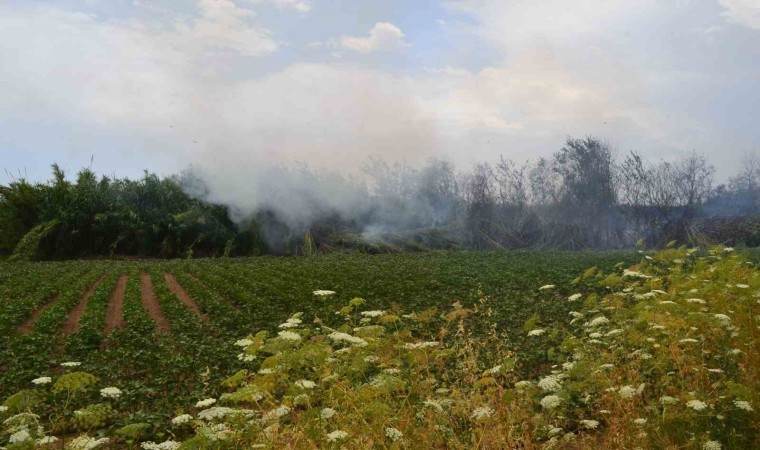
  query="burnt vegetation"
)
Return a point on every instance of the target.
[{"x": 584, "y": 196}]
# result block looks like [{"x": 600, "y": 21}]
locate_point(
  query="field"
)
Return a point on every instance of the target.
[{"x": 170, "y": 334}]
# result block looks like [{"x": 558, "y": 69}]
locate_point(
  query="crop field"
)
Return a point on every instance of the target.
[{"x": 172, "y": 337}]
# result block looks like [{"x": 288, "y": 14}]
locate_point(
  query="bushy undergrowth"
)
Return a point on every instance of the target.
[{"x": 663, "y": 354}]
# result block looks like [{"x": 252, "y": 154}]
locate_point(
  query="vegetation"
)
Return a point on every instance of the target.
[
  {"x": 580, "y": 198},
  {"x": 442, "y": 350}
]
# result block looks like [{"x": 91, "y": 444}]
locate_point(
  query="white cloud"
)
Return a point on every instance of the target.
[
  {"x": 743, "y": 12},
  {"x": 298, "y": 5},
  {"x": 383, "y": 36}
]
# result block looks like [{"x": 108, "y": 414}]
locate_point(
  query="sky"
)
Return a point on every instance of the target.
[{"x": 234, "y": 86}]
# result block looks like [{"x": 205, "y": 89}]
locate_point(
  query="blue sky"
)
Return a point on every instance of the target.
[{"x": 237, "y": 85}]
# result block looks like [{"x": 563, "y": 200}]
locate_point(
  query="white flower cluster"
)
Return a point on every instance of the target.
[
  {"x": 482, "y": 413},
  {"x": 243, "y": 342},
  {"x": 551, "y": 383},
  {"x": 536, "y": 332},
  {"x": 546, "y": 287},
  {"x": 166, "y": 445},
  {"x": 742, "y": 404},
  {"x": 42, "y": 380},
  {"x": 85, "y": 442},
  {"x": 306, "y": 384},
  {"x": 590, "y": 424},
  {"x": 323, "y": 293},
  {"x": 336, "y": 436},
  {"x": 289, "y": 336},
  {"x": 71, "y": 364},
  {"x": 327, "y": 413},
  {"x": 182, "y": 419},
  {"x": 205, "y": 403},
  {"x": 574, "y": 297},
  {"x": 416, "y": 345},
  {"x": 110, "y": 392},
  {"x": 550, "y": 401},
  {"x": 376, "y": 313},
  {"x": 394, "y": 434},
  {"x": 712, "y": 445},
  {"x": 347, "y": 338},
  {"x": 696, "y": 405}
]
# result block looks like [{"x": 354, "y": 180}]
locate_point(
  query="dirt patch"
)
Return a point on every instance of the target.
[
  {"x": 115, "y": 312},
  {"x": 71, "y": 325},
  {"x": 150, "y": 303},
  {"x": 182, "y": 295},
  {"x": 28, "y": 326}
]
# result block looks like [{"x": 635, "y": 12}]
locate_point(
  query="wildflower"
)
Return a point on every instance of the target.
[
  {"x": 614, "y": 332},
  {"x": 244, "y": 342},
  {"x": 377, "y": 313},
  {"x": 306, "y": 384},
  {"x": 85, "y": 442},
  {"x": 575, "y": 314},
  {"x": 551, "y": 383},
  {"x": 394, "y": 434},
  {"x": 742, "y": 404},
  {"x": 607, "y": 366},
  {"x": 416, "y": 345},
  {"x": 337, "y": 435},
  {"x": 742, "y": 286},
  {"x": 722, "y": 317},
  {"x": 42, "y": 380},
  {"x": 392, "y": 371},
  {"x": 696, "y": 300},
  {"x": 524, "y": 384},
  {"x": 323, "y": 293},
  {"x": 546, "y": 287},
  {"x": 640, "y": 421},
  {"x": 590, "y": 424},
  {"x": 627, "y": 391},
  {"x": 601, "y": 320},
  {"x": 482, "y": 412},
  {"x": 246, "y": 357},
  {"x": 46, "y": 440},
  {"x": 289, "y": 336},
  {"x": 166, "y": 445},
  {"x": 277, "y": 412},
  {"x": 696, "y": 405},
  {"x": 712, "y": 445},
  {"x": 494, "y": 370},
  {"x": 182, "y": 419},
  {"x": 574, "y": 297},
  {"x": 634, "y": 274},
  {"x": 595, "y": 335},
  {"x": 536, "y": 332},
  {"x": 550, "y": 401},
  {"x": 3, "y": 409},
  {"x": 688, "y": 341},
  {"x": 288, "y": 325},
  {"x": 71, "y": 364},
  {"x": 205, "y": 403},
  {"x": 266, "y": 371},
  {"x": 327, "y": 413},
  {"x": 21, "y": 435},
  {"x": 110, "y": 392},
  {"x": 347, "y": 338},
  {"x": 433, "y": 404}
]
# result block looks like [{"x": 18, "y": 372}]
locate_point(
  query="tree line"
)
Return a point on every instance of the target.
[{"x": 583, "y": 196}]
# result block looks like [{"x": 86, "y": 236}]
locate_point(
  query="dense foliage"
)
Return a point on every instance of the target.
[{"x": 579, "y": 198}]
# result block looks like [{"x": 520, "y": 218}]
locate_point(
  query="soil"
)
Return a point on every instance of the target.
[
  {"x": 28, "y": 326},
  {"x": 182, "y": 295},
  {"x": 115, "y": 312},
  {"x": 71, "y": 325},
  {"x": 150, "y": 302}
]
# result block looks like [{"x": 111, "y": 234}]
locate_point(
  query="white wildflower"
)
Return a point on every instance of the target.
[
  {"x": 244, "y": 342},
  {"x": 276, "y": 413},
  {"x": 601, "y": 320},
  {"x": 640, "y": 421},
  {"x": 742, "y": 404},
  {"x": 394, "y": 434},
  {"x": 246, "y": 357},
  {"x": 376, "y": 313},
  {"x": 574, "y": 297},
  {"x": 289, "y": 336},
  {"x": 216, "y": 412},
  {"x": 481, "y": 412},
  {"x": 494, "y": 370},
  {"x": 614, "y": 332},
  {"x": 550, "y": 401},
  {"x": 416, "y": 345},
  {"x": 42, "y": 380},
  {"x": 634, "y": 274},
  {"x": 71, "y": 364},
  {"x": 306, "y": 384},
  {"x": 166, "y": 445},
  {"x": 546, "y": 287},
  {"x": 337, "y": 435},
  {"x": 696, "y": 405},
  {"x": 696, "y": 300},
  {"x": 627, "y": 391},
  {"x": 323, "y": 293},
  {"x": 347, "y": 338},
  {"x": 688, "y": 341},
  {"x": 433, "y": 404},
  {"x": 47, "y": 440},
  {"x": 551, "y": 383},
  {"x": 536, "y": 332},
  {"x": 712, "y": 445},
  {"x": 21, "y": 435},
  {"x": 205, "y": 403},
  {"x": 85, "y": 442},
  {"x": 327, "y": 413},
  {"x": 182, "y": 419},
  {"x": 742, "y": 286},
  {"x": 590, "y": 424},
  {"x": 110, "y": 392}
]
